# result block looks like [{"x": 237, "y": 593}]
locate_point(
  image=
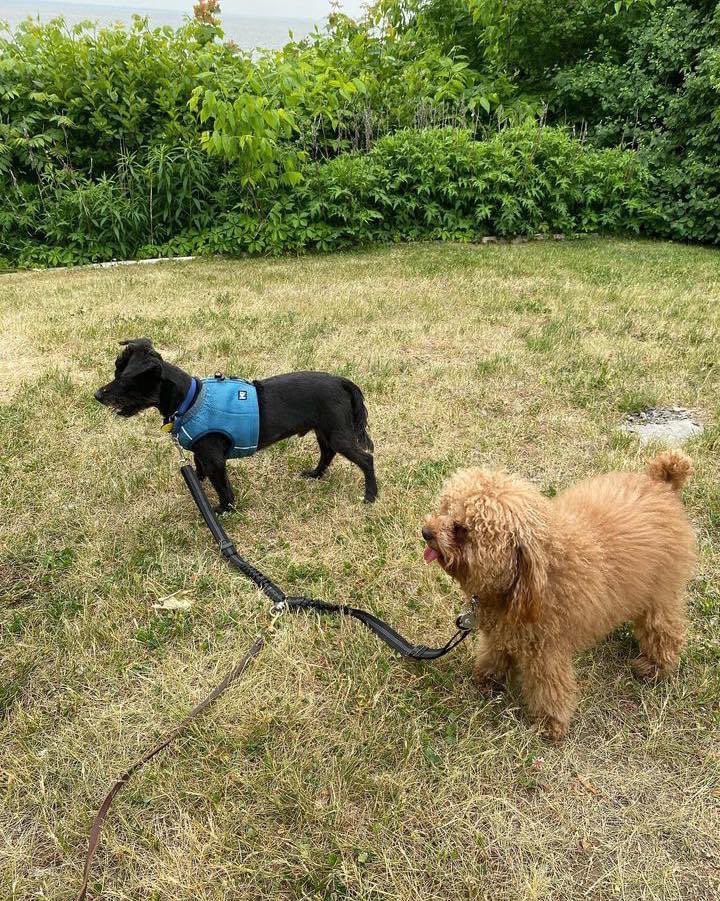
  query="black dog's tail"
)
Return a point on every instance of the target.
[{"x": 360, "y": 414}]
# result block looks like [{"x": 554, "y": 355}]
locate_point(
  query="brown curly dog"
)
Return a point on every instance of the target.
[{"x": 550, "y": 577}]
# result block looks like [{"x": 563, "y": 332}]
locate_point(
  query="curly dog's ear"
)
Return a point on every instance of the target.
[{"x": 530, "y": 582}]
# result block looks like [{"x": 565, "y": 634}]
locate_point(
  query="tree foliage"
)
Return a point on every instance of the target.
[{"x": 121, "y": 141}]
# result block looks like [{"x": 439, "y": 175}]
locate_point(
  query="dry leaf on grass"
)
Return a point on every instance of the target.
[
  {"x": 178, "y": 600},
  {"x": 587, "y": 785}
]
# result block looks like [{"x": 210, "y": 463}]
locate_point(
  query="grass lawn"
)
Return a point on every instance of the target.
[{"x": 333, "y": 770}]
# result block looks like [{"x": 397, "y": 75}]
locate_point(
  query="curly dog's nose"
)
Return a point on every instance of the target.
[{"x": 427, "y": 533}]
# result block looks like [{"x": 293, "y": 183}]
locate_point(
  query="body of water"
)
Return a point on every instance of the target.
[{"x": 248, "y": 32}]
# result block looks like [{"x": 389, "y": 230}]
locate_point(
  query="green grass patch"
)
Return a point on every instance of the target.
[{"x": 332, "y": 769}]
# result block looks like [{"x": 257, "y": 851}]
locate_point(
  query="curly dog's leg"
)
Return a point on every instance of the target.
[
  {"x": 661, "y": 632},
  {"x": 491, "y": 667},
  {"x": 550, "y": 692}
]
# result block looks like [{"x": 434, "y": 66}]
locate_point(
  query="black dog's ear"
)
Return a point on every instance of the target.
[
  {"x": 138, "y": 360},
  {"x": 138, "y": 344},
  {"x": 150, "y": 366}
]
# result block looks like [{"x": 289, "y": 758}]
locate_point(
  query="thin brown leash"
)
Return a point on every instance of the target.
[
  {"x": 99, "y": 820},
  {"x": 281, "y": 603}
]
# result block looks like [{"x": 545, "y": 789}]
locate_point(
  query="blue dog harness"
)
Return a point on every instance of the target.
[{"x": 228, "y": 406}]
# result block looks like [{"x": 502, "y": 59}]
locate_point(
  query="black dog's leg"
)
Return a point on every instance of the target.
[
  {"x": 200, "y": 469},
  {"x": 350, "y": 450},
  {"x": 327, "y": 454},
  {"x": 221, "y": 484},
  {"x": 211, "y": 462}
]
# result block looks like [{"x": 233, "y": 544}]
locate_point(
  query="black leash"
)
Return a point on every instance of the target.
[{"x": 282, "y": 602}]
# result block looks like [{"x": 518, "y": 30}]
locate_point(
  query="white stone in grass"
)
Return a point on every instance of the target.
[{"x": 672, "y": 426}]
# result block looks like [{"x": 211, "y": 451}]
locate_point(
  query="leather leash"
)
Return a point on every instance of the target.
[{"x": 102, "y": 813}]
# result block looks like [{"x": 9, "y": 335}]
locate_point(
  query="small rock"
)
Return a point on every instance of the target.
[
  {"x": 669, "y": 426},
  {"x": 489, "y": 239}
]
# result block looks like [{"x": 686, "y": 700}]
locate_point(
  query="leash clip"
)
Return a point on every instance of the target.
[
  {"x": 180, "y": 448},
  {"x": 276, "y": 611},
  {"x": 467, "y": 620}
]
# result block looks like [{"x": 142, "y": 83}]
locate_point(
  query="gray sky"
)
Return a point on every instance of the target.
[
  {"x": 300, "y": 9},
  {"x": 311, "y": 9}
]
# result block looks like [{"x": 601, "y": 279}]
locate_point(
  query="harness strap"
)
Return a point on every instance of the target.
[{"x": 380, "y": 628}]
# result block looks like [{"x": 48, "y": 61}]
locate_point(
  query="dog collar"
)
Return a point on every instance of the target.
[
  {"x": 169, "y": 421},
  {"x": 189, "y": 398}
]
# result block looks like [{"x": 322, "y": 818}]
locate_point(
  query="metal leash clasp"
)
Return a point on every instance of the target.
[
  {"x": 467, "y": 620},
  {"x": 180, "y": 449},
  {"x": 276, "y": 611}
]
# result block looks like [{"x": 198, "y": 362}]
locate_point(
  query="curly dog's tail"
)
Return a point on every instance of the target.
[{"x": 672, "y": 466}]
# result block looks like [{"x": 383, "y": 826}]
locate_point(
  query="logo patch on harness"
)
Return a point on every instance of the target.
[{"x": 242, "y": 395}]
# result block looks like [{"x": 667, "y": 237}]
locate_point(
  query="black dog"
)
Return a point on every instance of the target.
[{"x": 291, "y": 404}]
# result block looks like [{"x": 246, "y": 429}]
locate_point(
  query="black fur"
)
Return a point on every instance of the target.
[{"x": 290, "y": 404}]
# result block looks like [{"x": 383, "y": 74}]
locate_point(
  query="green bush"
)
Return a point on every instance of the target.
[
  {"x": 441, "y": 184},
  {"x": 433, "y": 119},
  {"x": 661, "y": 96},
  {"x": 418, "y": 184}
]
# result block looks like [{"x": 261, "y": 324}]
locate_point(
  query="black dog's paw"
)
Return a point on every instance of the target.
[
  {"x": 222, "y": 510},
  {"x": 310, "y": 474},
  {"x": 370, "y": 498}
]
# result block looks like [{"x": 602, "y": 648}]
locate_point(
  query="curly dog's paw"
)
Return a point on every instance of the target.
[
  {"x": 553, "y": 730},
  {"x": 487, "y": 682},
  {"x": 645, "y": 669}
]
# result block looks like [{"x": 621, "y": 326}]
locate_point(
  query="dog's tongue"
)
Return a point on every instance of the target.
[{"x": 430, "y": 554}]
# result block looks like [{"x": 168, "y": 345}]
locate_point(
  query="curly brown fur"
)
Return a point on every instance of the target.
[{"x": 551, "y": 577}]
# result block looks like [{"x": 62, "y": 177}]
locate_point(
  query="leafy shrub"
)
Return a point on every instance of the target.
[
  {"x": 441, "y": 184},
  {"x": 421, "y": 119},
  {"x": 79, "y": 98},
  {"x": 661, "y": 96},
  {"x": 431, "y": 184}
]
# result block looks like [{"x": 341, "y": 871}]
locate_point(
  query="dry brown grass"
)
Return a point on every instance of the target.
[{"x": 333, "y": 770}]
